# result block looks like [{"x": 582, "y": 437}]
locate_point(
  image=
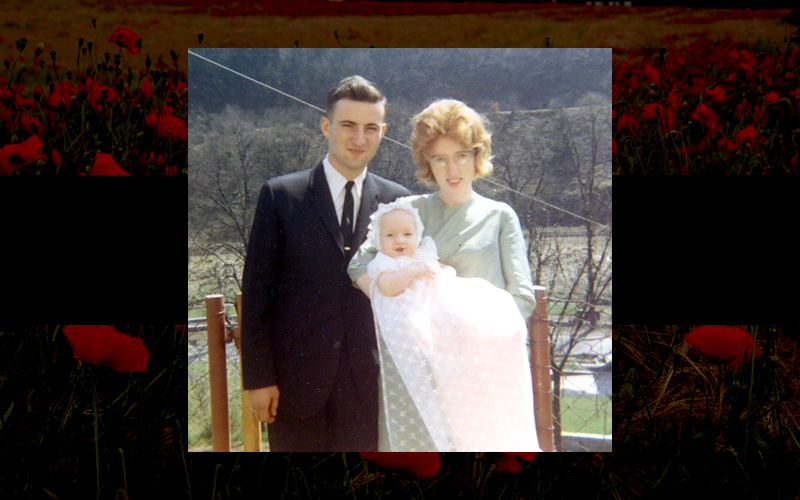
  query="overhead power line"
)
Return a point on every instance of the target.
[{"x": 538, "y": 200}]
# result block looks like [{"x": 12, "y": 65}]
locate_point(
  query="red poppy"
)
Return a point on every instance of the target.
[
  {"x": 747, "y": 134},
  {"x": 716, "y": 94},
  {"x": 419, "y": 464},
  {"x": 705, "y": 115},
  {"x": 25, "y": 152},
  {"x": 627, "y": 121},
  {"x": 30, "y": 124},
  {"x": 101, "y": 345},
  {"x": 56, "y": 158},
  {"x": 127, "y": 38},
  {"x": 649, "y": 111},
  {"x": 722, "y": 344},
  {"x": 771, "y": 97},
  {"x": 727, "y": 146},
  {"x": 61, "y": 95},
  {"x": 97, "y": 92},
  {"x": 508, "y": 461},
  {"x": 14, "y": 96},
  {"x": 146, "y": 87},
  {"x": 166, "y": 124},
  {"x": 652, "y": 73},
  {"x": 698, "y": 86},
  {"x": 104, "y": 164},
  {"x": 622, "y": 71},
  {"x": 172, "y": 126},
  {"x": 652, "y": 111}
]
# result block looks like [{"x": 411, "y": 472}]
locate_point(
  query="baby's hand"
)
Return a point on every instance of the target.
[{"x": 421, "y": 270}]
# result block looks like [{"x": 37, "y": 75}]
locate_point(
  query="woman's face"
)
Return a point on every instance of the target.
[
  {"x": 398, "y": 234},
  {"x": 453, "y": 166}
]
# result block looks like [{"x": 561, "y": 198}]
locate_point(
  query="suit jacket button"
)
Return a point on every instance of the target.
[{"x": 337, "y": 344}]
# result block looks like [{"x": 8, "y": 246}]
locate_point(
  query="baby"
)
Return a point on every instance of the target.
[
  {"x": 399, "y": 237},
  {"x": 458, "y": 344}
]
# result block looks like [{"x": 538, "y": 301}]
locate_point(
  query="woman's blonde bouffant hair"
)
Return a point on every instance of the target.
[{"x": 448, "y": 117}]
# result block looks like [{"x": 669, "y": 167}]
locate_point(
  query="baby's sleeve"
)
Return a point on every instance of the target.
[{"x": 382, "y": 263}]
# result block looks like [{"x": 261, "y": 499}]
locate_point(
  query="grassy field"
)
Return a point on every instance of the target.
[{"x": 58, "y": 24}]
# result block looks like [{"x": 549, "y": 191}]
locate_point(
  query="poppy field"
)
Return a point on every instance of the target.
[
  {"x": 433, "y": 476},
  {"x": 707, "y": 411},
  {"x": 125, "y": 112},
  {"x": 711, "y": 107},
  {"x": 110, "y": 111},
  {"x": 92, "y": 411}
]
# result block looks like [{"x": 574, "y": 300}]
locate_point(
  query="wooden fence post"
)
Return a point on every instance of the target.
[
  {"x": 538, "y": 329},
  {"x": 218, "y": 377},
  {"x": 251, "y": 428}
]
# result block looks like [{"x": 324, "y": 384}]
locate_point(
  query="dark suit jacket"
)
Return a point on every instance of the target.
[{"x": 299, "y": 306}]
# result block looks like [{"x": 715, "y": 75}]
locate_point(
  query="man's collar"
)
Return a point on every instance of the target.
[{"x": 336, "y": 181}]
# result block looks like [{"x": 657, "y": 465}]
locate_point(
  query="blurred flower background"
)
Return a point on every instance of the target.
[
  {"x": 687, "y": 423},
  {"x": 48, "y": 416},
  {"x": 99, "y": 114},
  {"x": 712, "y": 107}
]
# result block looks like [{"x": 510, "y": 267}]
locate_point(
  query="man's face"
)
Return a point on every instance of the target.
[{"x": 354, "y": 132}]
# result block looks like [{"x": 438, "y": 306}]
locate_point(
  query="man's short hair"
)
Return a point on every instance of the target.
[{"x": 356, "y": 88}]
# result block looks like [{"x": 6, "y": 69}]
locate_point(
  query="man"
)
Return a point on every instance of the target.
[{"x": 308, "y": 339}]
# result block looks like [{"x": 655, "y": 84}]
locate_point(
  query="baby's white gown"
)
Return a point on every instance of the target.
[{"x": 455, "y": 374}]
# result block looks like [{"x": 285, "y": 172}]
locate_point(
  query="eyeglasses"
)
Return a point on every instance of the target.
[{"x": 461, "y": 159}]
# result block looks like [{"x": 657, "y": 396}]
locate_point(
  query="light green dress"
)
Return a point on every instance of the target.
[{"x": 480, "y": 238}]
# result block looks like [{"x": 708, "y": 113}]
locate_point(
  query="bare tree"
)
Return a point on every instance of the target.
[
  {"x": 589, "y": 163},
  {"x": 560, "y": 155},
  {"x": 237, "y": 155}
]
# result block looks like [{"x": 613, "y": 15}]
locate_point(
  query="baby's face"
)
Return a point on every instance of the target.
[{"x": 398, "y": 234}]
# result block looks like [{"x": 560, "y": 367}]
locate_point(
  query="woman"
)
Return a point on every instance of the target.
[{"x": 479, "y": 237}]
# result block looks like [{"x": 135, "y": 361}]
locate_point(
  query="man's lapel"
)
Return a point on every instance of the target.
[
  {"x": 323, "y": 202},
  {"x": 369, "y": 203}
]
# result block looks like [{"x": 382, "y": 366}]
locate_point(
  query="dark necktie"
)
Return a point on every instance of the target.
[{"x": 347, "y": 217}]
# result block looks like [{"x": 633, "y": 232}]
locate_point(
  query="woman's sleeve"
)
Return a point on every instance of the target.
[
  {"x": 514, "y": 260},
  {"x": 364, "y": 255},
  {"x": 426, "y": 252}
]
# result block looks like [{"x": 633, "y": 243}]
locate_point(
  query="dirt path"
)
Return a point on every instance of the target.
[{"x": 59, "y": 23}]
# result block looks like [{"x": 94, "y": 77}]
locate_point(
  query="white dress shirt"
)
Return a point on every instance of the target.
[{"x": 336, "y": 183}]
